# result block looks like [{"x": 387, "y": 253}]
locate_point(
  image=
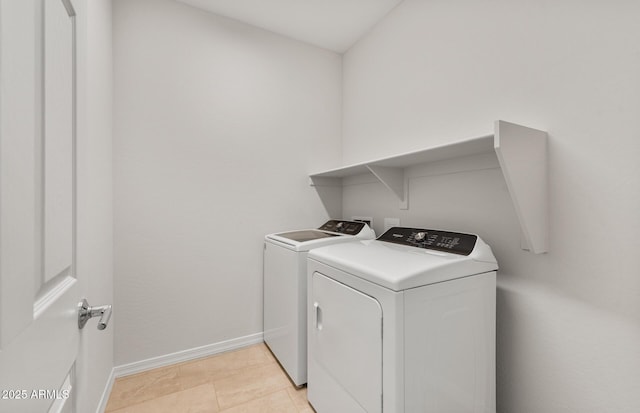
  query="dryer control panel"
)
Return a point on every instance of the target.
[
  {"x": 343, "y": 227},
  {"x": 453, "y": 242}
]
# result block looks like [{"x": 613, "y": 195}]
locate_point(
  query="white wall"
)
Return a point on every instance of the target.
[
  {"x": 217, "y": 125},
  {"x": 94, "y": 193},
  {"x": 435, "y": 71}
]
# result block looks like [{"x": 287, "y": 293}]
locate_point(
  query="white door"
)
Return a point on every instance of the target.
[
  {"x": 345, "y": 349},
  {"x": 39, "y": 290}
]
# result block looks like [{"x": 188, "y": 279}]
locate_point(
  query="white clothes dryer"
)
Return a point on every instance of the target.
[
  {"x": 402, "y": 324},
  {"x": 285, "y": 289}
]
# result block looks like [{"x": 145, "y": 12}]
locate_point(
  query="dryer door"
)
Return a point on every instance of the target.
[{"x": 345, "y": 349}]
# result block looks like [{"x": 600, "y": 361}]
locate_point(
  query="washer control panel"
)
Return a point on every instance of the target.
[
  {"x": 343, "y": 227},
  {"x": 453, "y": 242}
]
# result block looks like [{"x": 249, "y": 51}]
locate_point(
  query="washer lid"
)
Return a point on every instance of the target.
[
  {"x": 306, "y": 235},
  {"x": 399, "y": 267},
  {"x": 304, "y": 240},
  {"x": 332, "y": 232}
]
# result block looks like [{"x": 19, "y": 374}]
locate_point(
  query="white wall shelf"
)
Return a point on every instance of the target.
[{"x": 521, "y": 153}]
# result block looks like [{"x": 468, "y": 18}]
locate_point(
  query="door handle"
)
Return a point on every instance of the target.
[
  {"x": 317, "y": 312},
  {"x": 85, "y": 312}
]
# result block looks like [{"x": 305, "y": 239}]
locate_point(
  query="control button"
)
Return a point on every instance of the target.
[
  {"x": 420, "y": 236},
  {"x": 339, "y": 225}
]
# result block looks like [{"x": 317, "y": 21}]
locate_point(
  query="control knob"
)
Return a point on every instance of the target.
[
  {"x": 420, "y": 236},
  {"x": 339, "y": 225}
]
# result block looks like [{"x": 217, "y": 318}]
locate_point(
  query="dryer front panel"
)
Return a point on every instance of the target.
[{"x": 345, "y": 342}]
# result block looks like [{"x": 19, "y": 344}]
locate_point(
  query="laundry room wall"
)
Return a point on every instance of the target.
[
  {"x": 217, "y": 125},
  {"x": 436, "y": 71}
]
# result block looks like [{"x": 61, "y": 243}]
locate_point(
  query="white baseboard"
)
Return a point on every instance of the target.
[
  {"x": 185, "y": 355},
  {"x": 106, "y": 393}
]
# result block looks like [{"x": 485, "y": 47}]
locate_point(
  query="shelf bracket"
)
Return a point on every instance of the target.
[
  {"x": 395, "y": 180},
  {"x": 522, "y": 154}
]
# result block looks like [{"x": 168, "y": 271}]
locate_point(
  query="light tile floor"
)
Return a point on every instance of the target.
[{"x": 248, "y": 380}]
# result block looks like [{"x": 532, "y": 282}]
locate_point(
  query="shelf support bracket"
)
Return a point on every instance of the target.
[
  {"x": 395, "y": 180},
  {"x": 522, "y": 154}
]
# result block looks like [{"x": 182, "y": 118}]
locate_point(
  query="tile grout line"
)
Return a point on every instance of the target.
[
  {"x": 138, "y": 391},
  {"x": 159, "y": 397},
  {"x": 185, "y": 385},
  {"x": 259, "y": 397},
  {"x": 292, "y": 401}
]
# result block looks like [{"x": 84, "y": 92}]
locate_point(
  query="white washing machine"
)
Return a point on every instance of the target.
[
  {"x": 285, "y": 289},
  {"x": 402, "y": 324}
]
